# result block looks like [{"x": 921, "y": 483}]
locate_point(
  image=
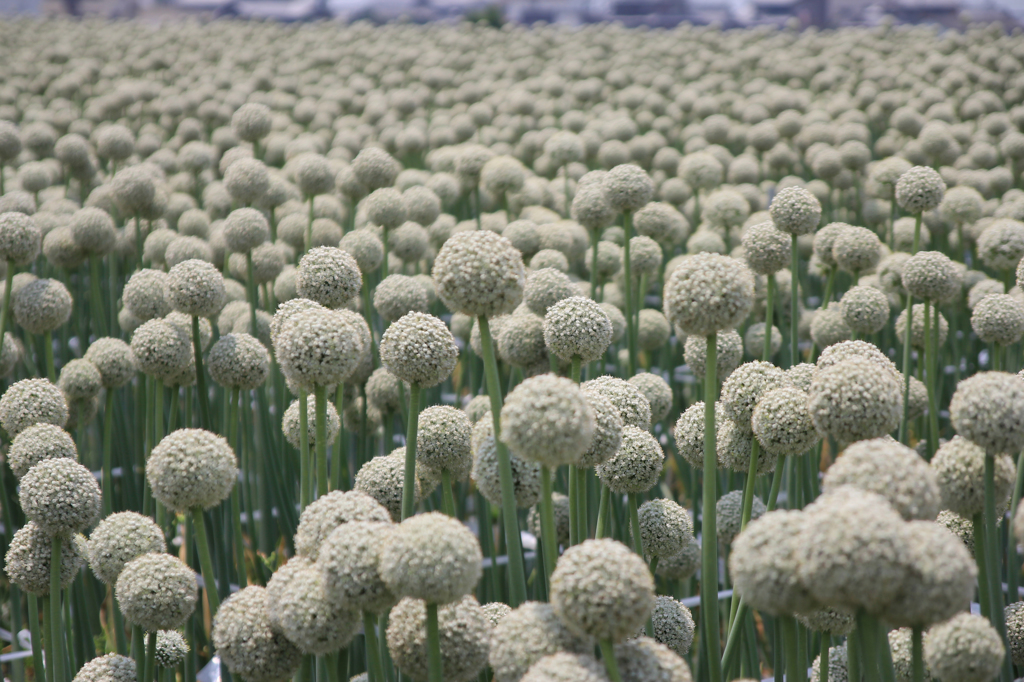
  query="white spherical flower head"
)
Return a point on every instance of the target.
[
  {"x": 941, "y": 578},
  {"x": 825, "y": 239},
  {"x": 252, "y": 121},
  {"x": 602, "y": 589},
  {"x": 479, "y": 273},
  {"x": 443, "y": 440},
  {"x": 27, "y": 562},
  {"x": 336, "y": 508},
  {"x": 375, "y": 168},
  {"x": 109, "y": 668},
  {"x": 591, "y": 208},
  {"x": 577, "y": 326},
  {"x": 120, "y": 538},
  {"x": 782, "y": 423},
  {"x": 245, "y": 229},
  {"x": 79, "y": 379},
  {"x": 291, "y": 423},
  {"x": 171, "y": 649},
  {"x": 382, "y": 478},
  {"x": 191, "y": 468},
  {"x": 350, "y": 561},
  {"x": 547, "y": 419},
  {"x": 298, "y": 607},
  {"x": 637, "y": 465},
  {"x": 20, "y": 238},
  {"x": 365, "y": 247},
  {"x": 960, "y": 467},
  {"x": 546, "y": 287},
  {"x": 795, "y": 211},
  {"x": 157, "y": 591},
  {"x": 114, "y": 360},
  {"x": 60, "y": 496},
  {"x": 607, "y": 429},
  {"x": 919, "y": 189},
  {"x": 707, "y": 293},
  {"x": 398, "y": 295},
  {"x": 729, "y": 514},
  {"x": 664, "y": 527},
  {"x": 673, "y": 625},
  {"x": 658, "y": 394},
  {"x": 526, "y": 635},
  {"x": 29, "y": 402},
  {"x": 239, "y": 361},
  {"x": 328, "y": 275},
  {"x": 247, "y": 643},
  {"x": 196, "y": 288},
  {"x": 988, "y": 410},
  {"x": 1015, "y": 631},
  {"x": 729, "y": 348},
  {"x": 766, "y": 248},
  {"x": 763, "y": 563},
  {"x": 856, "y": 250},
  {"x": 931, "y": 275},
  {"x": 1001, "y": 244},
  {"x": 385, "y": 207},
  {"x": 892, "y": 470},
  {"x": 38, "y": 443},
  {"x": 855, "y": 400},
  {"x": 628, "y": 188},
  {"x": 852, "y": 550},
  {"x": 566, "y": 667},
  {"x": 42, "y": 306},
  {"x": 966, "y": 647},
  {"x": 999, "y": 319},
  {"x": 865, "y": 309},
  {"x": 318, "y": 348},
  {"x": 146, "y": 294},
  {"x": 647, "y": 659},
  {"x": 744, "y": 387},
  {"x": 161, "y": 350},
  {"x": 420, "y": 349},
  {"x": 431, "y": 557},
  {"x": 833, "y": 355},
  {"x": 525, "y": 475},
  {"x": 464, "y": 636}
]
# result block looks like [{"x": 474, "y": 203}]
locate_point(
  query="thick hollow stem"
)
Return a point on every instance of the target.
[
  {"x": 6, "y": 309},
  {"x": 934, "y": 381},
  {"x": 548, "y": 539},
  {"x": 205, "y": 560},
  {"x": 250, "y": 289},
  {"x": 917, "y": 655},
  {"x": 904, "y": 427},
  {"x": 447, "y": 498},
  {"x": 204, "y": 398},
  {"x": 769, "y": 302},
  {"x": 602, "y": 512},
  {"x": 573, "y": 507},
  {"x": 435, "y": 671},
  {"x": 37, "y": 635},
  {"x": 634, "y": 524},
  {"x": 789, "y": 635},
  {"x": 150, "y": 667},
  {"x": 517, "y": 574},
  {"x": 732, "y": 642},
  {"x": 305, "y": 465},
  {"x": 929, "y": 378},
  {"x": 409, "y": 486},
  {"x": 594, "y": 238},
  {"x": 709, "y": 536},
  {"x": 51, "y": 371},
  {"x": 582, "y": 519},
  {"x": 56, "y": 627},
  {"x": 610, "y": 664},
  {"x": 320, "y": 396},
  {"x": 96, "y": 300},
  {"x": 627, "y": 223},
  {"x": 984, "y": 595},
  {"x": 375, "y": 670},
  {"x": 823, "y": 659},
  {"x": 794, "y": 309},
  {"x": 108, "y": 454}
]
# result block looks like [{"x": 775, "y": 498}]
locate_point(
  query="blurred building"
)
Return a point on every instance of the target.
[{"x": 834, "y": 13}]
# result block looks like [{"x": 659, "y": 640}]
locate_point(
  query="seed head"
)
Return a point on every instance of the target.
[
  {"x": 919, "y": 189},
  {"x": 988, "y": 409},
  {"x": 247, "y": 643},
  {"x": 479, "y": 273},
  {"x": 157, "y": 591},
  {"x": 297, "y": 605},
  {"x": 966, "y": 647},
  {"x": 707, "y": 293},
  {"x": 42, "y": 306},
  {"x": 795, "y": 211},
  {"x": 191, "y": 468},
  {"x": 464, "y": 634},
  {"x": 29, "y": 402},
  {"x": 635, "y": 468},
  {"x": 27, "y": 563},
  {"x": 526, "y": 635},
  {"x": 350, "y": 562}
]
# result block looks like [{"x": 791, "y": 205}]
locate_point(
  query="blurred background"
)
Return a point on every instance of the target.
[{"x": 946, "y": 14}]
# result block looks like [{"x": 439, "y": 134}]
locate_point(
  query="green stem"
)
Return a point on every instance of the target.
[
  {"x": 51, "y": 371},
  {"x": 769, "y": 302},
  {"x": 602, "y": 512},
  {"x": 150, "y": 667},
  {"x": 516, "y": 572},
  {"x": 447, "y": 498},
  {"x": 204, "y": 398},
  {"x": 853, "y": 655},
  {"x": 994, "y": 554},
  {"x": 549, "y": 540},
  {"x": 594, "y": 238},
  {"x": 709, "y": 536},
  {"x": 435, "y": 671},
  {"x": 934, "y": 381},
  {"x": 576, "y": 362},
  {"x": 205, "y": 561},
  {"x": 917, "y": 655},
  {"x": 610, "y": 664},
  {"x": 634, "y": 525},
  {"x": 984, "y": 595},
  {"x": 108, "y": 456},
  {"x": 139, "y": 651},
  {"x": 788, "y": 624},
  {"x": 375, "y": 669},
  {"x": 309, "y": 225},
  {"x": 929, "y": 378},
  {"x": 5, "y": 310},
  {"x": 794, "y": 310},
  {"x": 305, "y": 465},
  {"x": 56, "y": 626},
  {"x": 733, "y": 640},
  {"x": 627, "y": 224},
  {"x": 409, "y": 485},
  {"x": 573, "y": 507},
  {"x": 339, "y": 460},
  {"x": 582, "y": 518},
  {"x": 250, "y": 291},
  {"x": 320, "y": 397},
  {"x": 823, "y": 658},
  {"x": 904, "y": 426},
  {"x": 37, "y": 636},
  {"x": 829, "y": 286}
]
